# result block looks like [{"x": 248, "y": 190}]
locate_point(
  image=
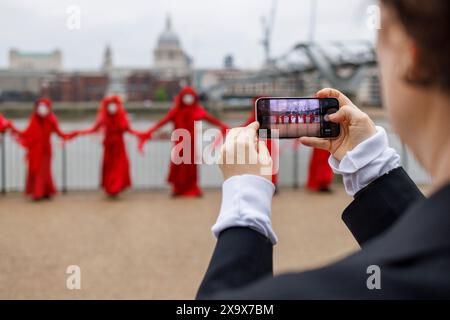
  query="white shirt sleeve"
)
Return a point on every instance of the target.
[
  {"x": 246, "y": 202},
  {"x": 370, "y": 160},
  {"x": 247, "y": 199}
]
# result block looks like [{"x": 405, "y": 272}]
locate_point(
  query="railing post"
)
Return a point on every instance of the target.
[
  {"x": 64, "y": 168},
  {"x": 295, "y": 184},
  {"x": 3, "y": 164}
]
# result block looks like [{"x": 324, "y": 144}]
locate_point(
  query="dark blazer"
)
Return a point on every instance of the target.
[{"x": 399, "y": 230}]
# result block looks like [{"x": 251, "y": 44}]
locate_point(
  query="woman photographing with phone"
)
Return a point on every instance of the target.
[{"x": 399, "y": 230}]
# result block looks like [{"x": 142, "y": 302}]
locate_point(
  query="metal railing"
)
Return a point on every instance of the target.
[{"x": 76, "y": 165}]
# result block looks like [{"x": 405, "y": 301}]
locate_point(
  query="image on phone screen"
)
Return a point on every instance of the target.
[{"x": 289, "y": 118}]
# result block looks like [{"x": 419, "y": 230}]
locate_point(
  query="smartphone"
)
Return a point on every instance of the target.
[{"x": 290, "y": 118}]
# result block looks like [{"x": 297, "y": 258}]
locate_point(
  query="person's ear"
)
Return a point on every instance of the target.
[
  {"x": 415, "y": 73},
  {"x": 412, "y": 61}
]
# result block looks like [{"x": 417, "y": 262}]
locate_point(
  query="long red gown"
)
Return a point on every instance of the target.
[
  {"x": 36, "y": 140},
  {"x": 115, "y": 167},
  {"x": 273, "y": 151},
  {"x": 184, "y": 177}
]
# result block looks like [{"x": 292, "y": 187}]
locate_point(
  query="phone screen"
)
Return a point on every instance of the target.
[{"x": 289, "y": 118}]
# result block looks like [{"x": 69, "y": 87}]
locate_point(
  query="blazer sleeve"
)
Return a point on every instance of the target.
[
  {"x": 242, "y": 256},
  {"x": 380, "y": 204}
]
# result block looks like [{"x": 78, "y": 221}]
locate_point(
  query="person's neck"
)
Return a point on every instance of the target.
[
  {"x": 436, "y": 142},
  {"x": 440, "y": 171}
]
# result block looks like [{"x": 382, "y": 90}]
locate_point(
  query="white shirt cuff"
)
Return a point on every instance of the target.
[
  {"x": 246, "y": 202},
  {"x": 370, "y": 160}
]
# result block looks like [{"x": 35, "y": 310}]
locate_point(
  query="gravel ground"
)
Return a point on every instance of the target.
[{"x": 147, "y": 245}]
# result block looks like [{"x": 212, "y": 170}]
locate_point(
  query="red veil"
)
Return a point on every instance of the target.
[
  {"x": 115, "y": 167},
  {"x": 183, "y": 177},
  {"x": 36, "y": 140},
  {"x": 118, "y": 121}
]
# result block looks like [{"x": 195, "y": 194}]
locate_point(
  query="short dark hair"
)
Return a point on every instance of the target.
[{"x": 428, "y": 24}]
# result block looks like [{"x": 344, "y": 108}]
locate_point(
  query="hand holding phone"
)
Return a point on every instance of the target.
[
  {"x": 356, "y": 127},
  {"x": 291, "y": 118},
  {"x": 240, "y": 148}
]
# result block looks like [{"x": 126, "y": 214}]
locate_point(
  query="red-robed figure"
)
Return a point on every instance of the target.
[
  {"x": 271, "y": 146},
  {"x": 113, "y": 121},
  {"x": 4, "y": 124},
  {"x": 36, "y": 140},
  {"x": 320, "y": 174},
  {"x": 186, "y": 110}
]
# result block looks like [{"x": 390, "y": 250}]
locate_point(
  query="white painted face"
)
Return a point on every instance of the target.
[
  {"x": 188, "y": 99},
  {"x": 112, "y": 108},
  {"x": 42, "y": 110}
]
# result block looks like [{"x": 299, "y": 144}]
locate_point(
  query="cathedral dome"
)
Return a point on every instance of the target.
[
  {"x": 168, "y": 36},
  {"x": 170, "y": 61}
]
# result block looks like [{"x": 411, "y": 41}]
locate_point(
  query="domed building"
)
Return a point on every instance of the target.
[{"x": 170, "y": 61}]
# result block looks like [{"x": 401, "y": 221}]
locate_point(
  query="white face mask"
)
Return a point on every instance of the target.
[
  {"x": 42, "y": 110},
  {"x": 188, "y": 99},
  {"x": 112, "y": 108}
]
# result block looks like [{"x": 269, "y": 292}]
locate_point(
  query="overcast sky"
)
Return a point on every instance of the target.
[{"x": 208, "y": 29}]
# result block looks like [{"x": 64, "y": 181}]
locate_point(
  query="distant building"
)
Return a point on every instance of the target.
[
  {"x": 228, "y": 62},
  {"x": 107, "y": 64},
  {"x": 117, "y": 82},
  {"x": 207, "y": 79},
  {"x": 35, "y": 61},
  {"x": 145, "y": 86},
  {"x": 21, "y": 85},
  {"x": 140, "y": 86},
  {"x": 75, "y": 87},
  {"x": 170, "y": 61},
  {"x": 31, "y": 75}
]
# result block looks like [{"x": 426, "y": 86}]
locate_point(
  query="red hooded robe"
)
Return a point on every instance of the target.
[
  {"x": 115, "y": 168},
  {"x": 36, "y": 139},
  {"x": 320, "y": 174},
  {"x": 184, "y": 177}
]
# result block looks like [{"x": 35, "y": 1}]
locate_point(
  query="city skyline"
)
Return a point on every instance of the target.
[{"x": 143, "y": 22}]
